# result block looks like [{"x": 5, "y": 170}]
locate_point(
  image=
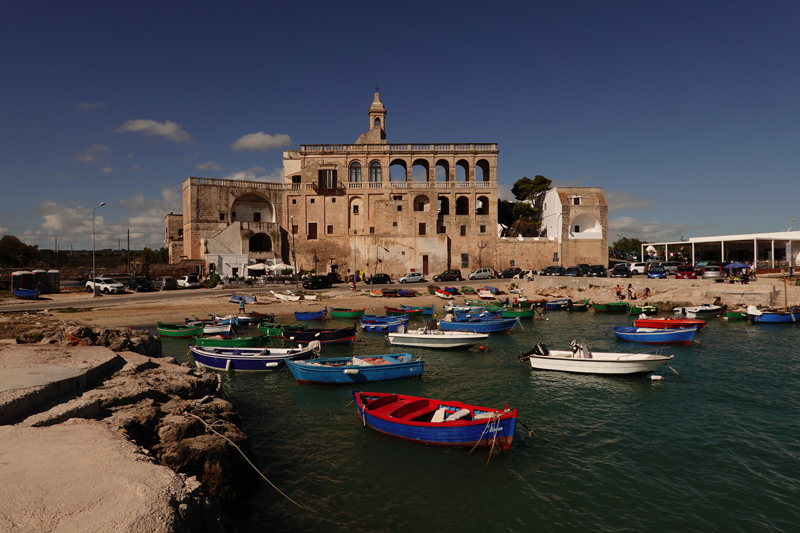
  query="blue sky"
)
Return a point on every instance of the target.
[{"x": 686, "y": 114}]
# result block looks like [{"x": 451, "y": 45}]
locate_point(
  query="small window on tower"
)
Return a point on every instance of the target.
[
  {"x": 222, "y": 216},
  {"x": 256, "y": 217},
  {"x": 330, "y": 230},
  {"x": 372, "y": 229},
  {"x": 355, "y": 209},
  {"x": 294, "y": 201},
  {"x": 463, "y": 231},
  {"x": 399, "y": 207}
]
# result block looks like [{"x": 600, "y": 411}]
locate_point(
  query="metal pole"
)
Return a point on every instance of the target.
[
  {"x": 294, "y": 256},
  {"x": 94, "y": 273}
]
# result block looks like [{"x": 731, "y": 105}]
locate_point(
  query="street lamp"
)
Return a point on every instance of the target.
[
  {"x": 94, "y": 274},
  {"x": 294, "y": 257}
]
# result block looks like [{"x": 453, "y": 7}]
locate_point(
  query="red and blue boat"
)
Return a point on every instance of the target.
[
  {"x": 655, "y": 335},
  {"x": 668, "y": 322},
  {"x": 759, "y": 316},
  {"x": 436, "y": 422}
]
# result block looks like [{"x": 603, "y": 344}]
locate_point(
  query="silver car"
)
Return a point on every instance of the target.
[
  {"x": 481, "y": 273},
  {"x": 712, "y": 272},
  {"x": 413, "y": 277}
]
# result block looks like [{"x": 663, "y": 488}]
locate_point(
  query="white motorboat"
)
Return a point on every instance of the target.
[
  {"x": 218, "y": 329},
  {"x": 286, "y": 297},
  {"x": 435, "y": 338},
  {"x": 581, "y": 360},
  {"x": 698, "y": 311}
]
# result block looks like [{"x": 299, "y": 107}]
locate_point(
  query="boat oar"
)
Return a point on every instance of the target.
[
  {"x": 698, "y": 342},
  {"x": 676, "y": 372}
]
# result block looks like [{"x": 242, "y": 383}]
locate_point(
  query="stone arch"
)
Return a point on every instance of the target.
[
  {"x": 585, "y": 226},
  {"x": 422, "y": 203},
  {"x": 260, "y": 242},
  {"x": 252, "y": 207},
  {"x": 462, "y": 170},
  {"x": 444, "y": 205},
  {"x": 483, "y": 166},
  {"x": 442, "y": 170},
  {"x": 462, "y": 205},
  {"x": 482, "y": 205},
  {"x": 420, "y": 170},
  {"x": 394, "y": 170},
  {"x": 355, "y": 172},
  {"x": 356, "y": 216},
  {"x": 375, "y": 171}
]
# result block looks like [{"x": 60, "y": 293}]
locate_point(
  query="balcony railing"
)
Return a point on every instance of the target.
[{"x": 391, "y": 148}]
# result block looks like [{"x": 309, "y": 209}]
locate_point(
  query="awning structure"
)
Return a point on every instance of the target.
[{"x": 257, "y": 266}]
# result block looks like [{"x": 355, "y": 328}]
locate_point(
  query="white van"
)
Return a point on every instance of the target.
[
  {"x": 638, "y": 268},
  {"x": 481, "y": 273}
]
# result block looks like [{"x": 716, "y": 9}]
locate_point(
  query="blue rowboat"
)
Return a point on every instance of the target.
[
  {"x": 476, "y": 313},
  {"x": 27, "y": 294},
  {"x": 324, "y": 336},
  {"x": 655, "y": 335},
  {"x": 385, "y": 326},
  {"x": 773, "y": 317},
  {"x": 487, "y": 325},
  {"x": 557, "y": 305},
  {"x": 405, "y": 293},
  {"x": 310, "y": 315},
  {"x": 375, "y": 319},
  {"x": 250, "y": 359},
  {"x": 437, "y": 422},
  {"x": 361, "y": 369},
  {"x": 426, "y": 311}
]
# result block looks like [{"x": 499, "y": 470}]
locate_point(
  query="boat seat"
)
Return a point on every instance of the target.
[
  {"x": 458, "y": 415},
  {"x": 265, "y": 351},
  {"x": 438, "y": 416},
  {"x": 410, "y": 408}
]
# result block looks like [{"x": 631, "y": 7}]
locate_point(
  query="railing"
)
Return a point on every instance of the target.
[
  {"x": 421, "y": 185},
  {"x": 238, "y": 183},
  {"x": 459, "y": 147}
]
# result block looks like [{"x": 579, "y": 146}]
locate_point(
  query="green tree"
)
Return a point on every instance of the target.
[
  {"x": 505, "y": 212},
  {"x": 526, "y": 188},
  {"x": 625, "y": 244},
  {"x": 15, "y": 253}
]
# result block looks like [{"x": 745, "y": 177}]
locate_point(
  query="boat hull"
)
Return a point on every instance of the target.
[
  {"x": 702, "y": 311},
  {"x": 338, "y": 312},
  {"x": 26, "y": 294},
  {"x": 324, "y": 336},
  {"x": 321, "y": 371},
  {"x": 178, "y": 331},
  {"x": 310, "y": 315},
  {"x": 606, "y": 363},
  {"x": 666, "y": 323},
  {"x": 250, "y": 359},
  {"x": 237, "y": 342},
  {"x": 437, "y": 339},
  {"x": 777, "y": 318},
  {"x": 492, "y": 325},
  {"x": 655, "y": 335},
  {"x": 613, "y": 307}
]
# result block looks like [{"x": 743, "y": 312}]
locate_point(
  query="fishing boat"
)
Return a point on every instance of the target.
[
  {"x": 655, "y": 335},
  {"x": 178, "y": 331},
  {"x": 580, "y": 305},
  {"x": 466, "y": 289},
  {"x": 343, "y": 312},
  {"x": 475, "y": 303},
  {"x": 432, "y": 289},
  {"x": 436, "y": 422},
  {"x": 251, "y": 359},
  {"x": 482, "y": 313},
  {"x": 217, "y": 341},
  {"x": 374, "y": 319},
  {"x": 376, "y": 293},
  {"x": 580, "y": 360},
  {"x": 276, "y": 330},
  {"x": 610, "y": 307},
  {"x": 478, "y": 325},
  {"x": 485, "y": 294},
  {"x": 286, "y": 297},
  {"x": 359, "y": 369},
  {"x": 451, "y": 290},
  {"x": 668, "y": 322},
  {"x": 698, "y": 311},
  {"x": 426, "y": 310},
  {"x": 27, "y": 294},
  {"x": 310, "y": 315},
  {"x": 402, "y": 311},
  {"x": 406, "y": 293},
  {"x": 645, "y": 309},
  {"x": 441, "y": 293},
  {"x": 389, "y": 293},
  {"x": 510, "y": 312},
  {"x": 560, "y": 304},
  {"x": 736, "y": 315},
  {"x": 238, "y": 298},
  {"x": 773, "y": 317},
  {"x": 384, "y": 326},
  {"x": 435, "y": 338},
  {"x": 218, "y": 329},
  {"x": 324, "y": 336}
]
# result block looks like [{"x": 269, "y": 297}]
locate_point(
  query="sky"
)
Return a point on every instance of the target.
[{"x": 685, "y": 113}]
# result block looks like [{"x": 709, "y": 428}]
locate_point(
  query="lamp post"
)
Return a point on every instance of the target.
[
  {"x": 94, "y": 274},
  {"x": 294, "y": 257}
]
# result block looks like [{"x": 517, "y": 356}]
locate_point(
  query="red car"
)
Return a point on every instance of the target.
[{"x": 685, "y": 272}]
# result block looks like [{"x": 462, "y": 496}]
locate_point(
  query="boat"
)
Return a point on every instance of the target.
[
  {"x": 406, "y": 293},
  {"x": 698, "y": 311},
  {"x": 484, "y": 294},
  {"x": 324, "y": 336},
  {"x": 384, "y": 326},
  {"x": 510, "y": 312},
  {"x": 218, "y": 329},
  {"x": 580, "y": 305},
  {"x": 178, "y": 331},
  {"x": 359, "y": 369},
  {"x": 441, "y": 293},
  {"x": 251, "y": 359},
  {"x": 289, "y": 297},
  {"x": 761, "y": 316},
  {"x": 493, "y": 290},
  {"x": 27, "y": 294},
  {"x": 481, "y": 313},
  {"x": 668, "y": 322},
  {"x": 475, "y": 303},
  {"x": 310, "y": 315},
  {"x": 276, "y": 330},
  {"x": 436, "y": 422},
  {"x": 681, "y": 335},
  {"x": 557, "y": 305},
  {"x": 432, "y": 289},
  {"x": 389, "y": 293},
  {"x": 435, "y": 338},
  {"x": 426, "y": 310},
  {"x": 478, "y": 325},
  {"x": 610, "y": 307},
  {"x": 217, "y": 341},
  {"x": 400, "y": 311},
  {"x": 645, "y": 309},
  {"x": 237, "y": 298},
  {"x": 466, "y": 289},
  {"x": 373, "y": 319},
  {"x": 451, "y": 290},
  {"x": 376, "y": 293},
  {"x": 736, "y": 315},
  {"x": 580, "y": 360},
  {"x": 343, "y": 312}
]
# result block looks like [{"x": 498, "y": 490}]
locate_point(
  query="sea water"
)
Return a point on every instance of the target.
[{"x": 714, "y": 446}]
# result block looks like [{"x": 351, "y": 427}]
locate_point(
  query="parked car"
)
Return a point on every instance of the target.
[
  {"x": 651, "y": 264},
  {"x": 318, "y": 282},
  {"x": 670, "y": 266},
  {"x": 140, "y": 285},
  {"x": 685, "y": 272},
  {"x": 379, "y": 279},
  {"x": 597, "y": 271},
  {"x": 633, "y": 256},
  {"x": 656, "y": 271},
  {"x": 189, "y": 282},
  {"x": 638, "y": 268},
  {"x": 481, "y": 273},
  {"x": 509, "y": 272},
  {"x": 621, "y": 271},
  {"x": 105, "y": 285},
  {"x": 713, "y": 272},
  {"x": 574, "y": 272},
  {"x": 413, "y": 277},
  {"x": 584, "y": 267},
  {"x": 334, "y": 277},
  {"x": 165, "y": 282},
  {"x": 448, "y": 275},
  {"x": 554, "y": 271}
]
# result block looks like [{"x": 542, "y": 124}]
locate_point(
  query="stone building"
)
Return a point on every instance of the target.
[{"x": 378, "y": 207}]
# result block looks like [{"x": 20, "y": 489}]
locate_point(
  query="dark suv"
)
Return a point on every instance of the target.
[
  {"x": 509, "y": 272},
  {"x": 379, "y": 279},
  {"x": 448, "y": 275},
  {"x": 597, "y": 271},
  {"x": 555, "y": 270},
  {"x": 318, "y": 282},
  {"x": 140, "y": 285}
]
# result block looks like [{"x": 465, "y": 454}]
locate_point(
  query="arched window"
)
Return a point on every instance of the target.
[
  {"x": 374, "y": 171},
  {"x": 355, "y": 172},
  {"x": 260, "y": 242},
  {"x": 377, "y": 121},
  {"x": 482, "y": 206},
  {"x": 462, "y": 205}
]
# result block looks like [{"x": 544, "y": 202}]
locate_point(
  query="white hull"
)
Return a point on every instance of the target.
[
  {"x": 286, "y": 297},
  {"x": 700, "y": 311},
  {"x": 217, "y": 330},
  {"x": 436, "y": 339},
  {"x": 599, "y": 363},
  {"x": 445, "y": 295}
]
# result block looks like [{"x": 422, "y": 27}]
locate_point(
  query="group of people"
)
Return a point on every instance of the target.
[{"x": 632, "y": 292}]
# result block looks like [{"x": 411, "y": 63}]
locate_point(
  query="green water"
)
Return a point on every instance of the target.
[{"x": 717, "y": 452}]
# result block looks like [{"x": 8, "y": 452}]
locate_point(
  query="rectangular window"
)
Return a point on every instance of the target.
[
  {"x": 394, "y": 224},
  {"x": 372, "y": 229},
  {"x": 222, "y": 217},
  {"x": 576, "y": 200},
  {"x": 399, "y": 207},
  {"x": 294, "y": 201},
  {"x": 327, "y": 178},
  {"x": 442, "y": 229},
  {"x": 295, "y": 179},
  {"x": 422, "y": 228},
  {"x": 397, "y": 197},
  {"x": 256, "y": 217},
  {"x": 312, "y": 231},
  {"x": 483, "y": 229},
  {"x": 294, "y": 229},
  {"x": 333, "y": 200},
  {"x": 180, "y": 233},
  {"x": 463, "y": 231},
  {"x": 464, "y": 260},
  {"x": 577, "y": 229},
  {"x": 233, "y": 215},
  {"x": 355, "y": 209},
  {"x": 312, "y": 200},
  {"x": 330, "y": 230}
]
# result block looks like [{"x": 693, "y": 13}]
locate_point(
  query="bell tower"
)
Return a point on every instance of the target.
[{"x": 377, "y": 123}]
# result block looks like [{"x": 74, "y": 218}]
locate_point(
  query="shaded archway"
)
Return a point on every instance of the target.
[
  {"x": 482, "y": 206},
  {"x": 482, "y": 171},
  {"x": 260, "y": 242},
  {"x": 252, "y": 207},
  {"x": 398, "y": 170},
  {"x": 462, "y": 205},
  {"x": 442, "y": 171},
  {"x": 444, "y": 205},
  {"x": 422, "y": 203}
]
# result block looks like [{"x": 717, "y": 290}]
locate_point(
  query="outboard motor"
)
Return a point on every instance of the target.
[
  {"x": 541, "y": 349},
  {"x": 575, "y": 347}
]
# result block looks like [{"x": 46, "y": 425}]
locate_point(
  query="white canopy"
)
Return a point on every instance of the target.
[
  {"x": 280, "y": 266},
  {"x": 257, "y": 266}
]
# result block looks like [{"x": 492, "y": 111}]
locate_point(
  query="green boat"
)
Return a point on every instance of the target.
[
  {"x": 238, "y": 342},
  {"x": 274, "y": 330},
  {"x": 476, "y": 302},
  {"x": 640, "y": 309},
  {"x": 467, "y": 290},
  {"x": 432, "y": 289},
  {"x": 510, "y": 312},
  {"x": 735, "y": 315},
  {"x": 178, "y": 331},
  {"x": 611, "y": 307},
  {"x": 343, "y": 312},
  {"x": 581, "y": 305}
]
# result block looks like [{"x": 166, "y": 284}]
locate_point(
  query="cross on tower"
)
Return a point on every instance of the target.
[{"x": 376, "y": 88}]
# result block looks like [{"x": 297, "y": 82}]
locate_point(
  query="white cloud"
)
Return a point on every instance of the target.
[
  {"x": 622, "y": 201},
  {"x": 650, "y": 230},
  {"x": 107, "y": 170},
  {"x": 208, "y": 165},
  {"x": 138, "y": 168},
  {"x": 89, "y": 106},
  {"x": 262, "y": 142},
  {"x": 151, "y": 128},
  {"x": 257, "y": 174},
  {"x": 92, "y": 154}
]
